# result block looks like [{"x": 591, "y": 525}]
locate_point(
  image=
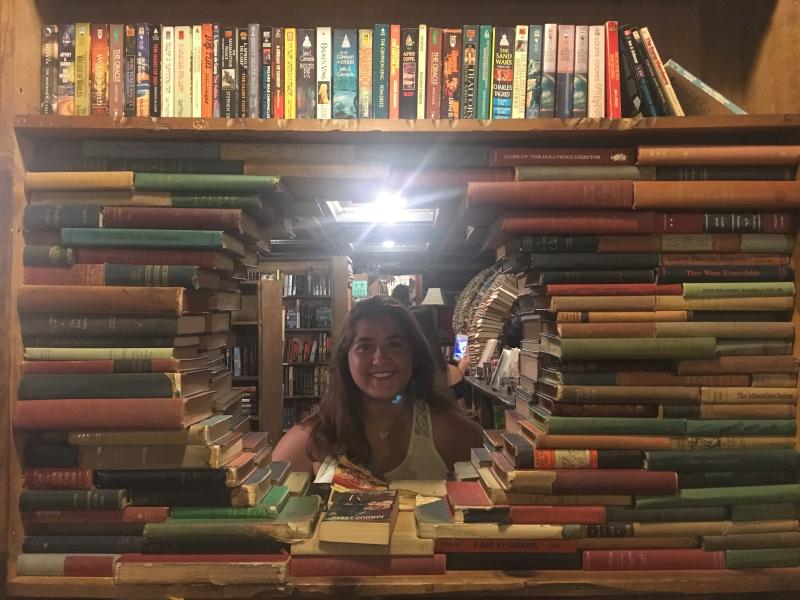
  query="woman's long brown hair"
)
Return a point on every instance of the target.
[{"x": 337, "y": 426}]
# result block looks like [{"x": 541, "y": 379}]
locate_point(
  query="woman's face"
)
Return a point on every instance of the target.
[{"x": 380, "y": 358}]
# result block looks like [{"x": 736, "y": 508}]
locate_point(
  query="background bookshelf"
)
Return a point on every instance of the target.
[{"x": 745, "y": 49}]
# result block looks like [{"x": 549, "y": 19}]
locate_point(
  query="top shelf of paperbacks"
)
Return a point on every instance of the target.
[{"x": 742, "y": 129}]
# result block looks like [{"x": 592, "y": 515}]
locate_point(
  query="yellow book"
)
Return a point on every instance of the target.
[
  {"x": 83, "y": 39},
  {"x": 290, "y": 71}
]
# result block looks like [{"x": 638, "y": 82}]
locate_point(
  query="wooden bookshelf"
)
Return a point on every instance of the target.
[{"x": 745, "y": 49}]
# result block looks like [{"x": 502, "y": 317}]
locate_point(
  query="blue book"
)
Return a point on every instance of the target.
[
  {"x": 380, "y": 72},
  {"x": 565, "y": 71},
  {"x": 533, "y": 78},
  {"x": 696, "y": 96},
  {"x": 142, "y": 70},
  {"x": 345, "y": 74}
]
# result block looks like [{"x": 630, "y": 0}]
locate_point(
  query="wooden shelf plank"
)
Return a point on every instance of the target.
[
  {"x": 769, "y": 128},
  {"x": 475, "y": 583}
]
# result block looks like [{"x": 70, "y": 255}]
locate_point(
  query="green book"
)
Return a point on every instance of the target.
[
  {"x": 690, "y": 348},
  {"x": 765, "y": 512},
  {"x": 547, "y": 173},
  {"x": 740, "y": 427},
  {"x": 739, "y": 289},
  {"x": 767, "y": 242},
  {"x": 195, "y": 182},
  {"x": 269, "y": 508},
  {"x": 251, "y": 204},
  {"x": 762, "y": 558},
  {"x": 152, "y": 238},
  {"x": 484, "y": 75},
  {"x": 98, "y": 385},
  {"x": 160, "y": 276},
  {"x": 47, "y": 256},
  {"x": 606, "y": 425},
  {"x": 624, "y": 514},
  {"x": 295, "y": 521},
  {"x": 757, "y": 494},
  {"x": 721, "y": 460}
]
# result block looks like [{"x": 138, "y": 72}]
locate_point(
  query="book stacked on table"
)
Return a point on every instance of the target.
[
  {"x": 129, "y": 280},
  {"x": 661, "y": 391}
]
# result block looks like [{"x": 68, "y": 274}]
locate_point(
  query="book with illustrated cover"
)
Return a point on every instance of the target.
[
  {"x": 83, "y": 44},
  {"x": 306, "y": 73},
  {"x": 345, "y": 74},
  {"x": 66, "y": 71},
  {"x": 364, "y": 517},
  {"x": 49, "y": 70},
  {"x": 364, "y": 73},
  {"x": 503, "y": 73},
  {"x": 409, "y": 59},
  {"x": 451, "y": 73},
  {"x": 469, "y": 74},
  {"x": 325, "y": 67}
]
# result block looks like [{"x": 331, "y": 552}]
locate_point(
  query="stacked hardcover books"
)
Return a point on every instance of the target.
[
  {"x": 655, "y": 419},
  {"x": 129, "y": 279}
]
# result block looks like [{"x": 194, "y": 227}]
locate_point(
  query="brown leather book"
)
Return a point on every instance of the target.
[
  {"x": 723, "y": 195},
  {"x": 718, "y": 155}
]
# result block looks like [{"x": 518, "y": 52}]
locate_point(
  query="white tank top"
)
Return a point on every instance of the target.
[{"x": 422, "y": 460}]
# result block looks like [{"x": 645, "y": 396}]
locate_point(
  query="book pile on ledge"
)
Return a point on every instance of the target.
[
  {"x": 133, "y": 434},
  {"x": 655, "y": 419},
  {"x": 381, "y": 72}
]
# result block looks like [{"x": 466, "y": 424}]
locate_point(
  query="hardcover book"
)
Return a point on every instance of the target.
[{"x": 362, "y": 517}]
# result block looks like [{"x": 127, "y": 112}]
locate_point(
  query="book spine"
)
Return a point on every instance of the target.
[
  {"x": 648, "y": 106},
  {"x": 549, "y": 55},
  {"x": 183, "y": 72},
  {"x": 48, "y": 83},
  {"x": 659, "y": 98},
  {"x": 484, "y": 73},
  {"x": 533, "y": 77},
  {"x": 58, "y": 479},
  {"x": 520, "y": 72},
  {"x": 345, "y": 74},
  {"x": 83, "y": 40},
  {"x": 155, "y": 257},
  {"x": 66, "y": 70},
  {"x": 100, "y": 413},
  {"x": 279, "y": 74},
  {"x": 725, "y": 273},
  {"x": 143, "y": 70},
  {"x": 365, "y": 74},
  {"x": 394, "y": 71},
  {"x": 702, "y": 89},
  {"x": 481, "y": 546},
  {"x": 743, "y": 173},
  {"x": 81, "y": 544},
  {"x": 243, "y": 70},
  {"x": 451, "y": 73},
  {"x": 49, "y": 217},
  {"x": 627, "y": 560},
  {"x": 380, "y": 71},
  {"x": 661, "y": 73},
  {"x": 290, "y": 72},
  {"x": 156, "y": 33},
  {"x": 409, "y": 59},
  {"x": 216, "y": 69},
  {"x": 326, "y": 69},
  {"x": 207, "y": 71},
  {"x": 151, "y": 275},
  {"x": 581, "y": 82},
  {"x": 98, "y": 76},
  {"x": 136, "y": 217},
  {"x": 597, "y": 73},
  {"x": 129, "y": 514},
  {"x": 165, "y": 365},
  {"x": 502, "y": 72},
  {"x": 31, "y": 500},
  {"x": 565, "y": 71},
  {"x": 469, "y": 71},
  {"x": 66, "y": 565},
  {"x": 45, "y": 298},
  {"x": 253, "y": 71},
  {"x": 75, "y": 275},
  {"x": 422, "y": 69},
  {"x": 434, "y": 85},
  {"x": 44, "y": 256},
  {"x": 265, "y": 109},
  {"x": 51, "y": 387},
  {"x": 366, "y": 566},
  {"x": 168, "y": 71},
  {"x": 306, "y": 73}
]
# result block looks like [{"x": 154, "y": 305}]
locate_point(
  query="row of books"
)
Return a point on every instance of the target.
[
  {"x": 307, "y": 316},
  {"x": 311, "y": 283},
  {"x": 308, "y": 349},
  {"x": 302, "y": 381},
  {"x": 387, "y": 71},
  {"x": 243, "y": 358}
]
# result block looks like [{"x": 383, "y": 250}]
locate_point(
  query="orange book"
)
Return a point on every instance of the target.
[
  {"x": 696, "y": 156},
  {"x": 394, "y": 72},
  {"x": 207, "y": 71},
  {"x": 723, "y": 195}
]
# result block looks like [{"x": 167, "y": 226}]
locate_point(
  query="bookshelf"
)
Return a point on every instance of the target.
[{"x": 745, "y": 49}]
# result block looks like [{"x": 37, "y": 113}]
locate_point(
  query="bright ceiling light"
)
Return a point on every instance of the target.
[{"x": 389, "y": 243}]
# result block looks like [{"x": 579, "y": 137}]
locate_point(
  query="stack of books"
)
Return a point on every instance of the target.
[
  {"x": 661, "y": 393},
  {"x": 128, "y": 283}
]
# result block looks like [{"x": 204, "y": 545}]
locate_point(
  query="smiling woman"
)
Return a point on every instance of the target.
[{"x": 387, "y": 408}]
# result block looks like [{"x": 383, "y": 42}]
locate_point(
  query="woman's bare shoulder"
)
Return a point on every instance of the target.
[
  {"x": 455, "y": 435},
  {"x": 293, "y": 448}
]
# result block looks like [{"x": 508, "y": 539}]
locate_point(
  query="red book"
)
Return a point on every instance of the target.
[
  {"x": 129, "y": 514},
  {"x": 153, "y": 365},
  {"x": 394, "y": 71},
  {"x": 559, "y": 195},
  {"x": 74, "y": 275},
  {"x": 725, "y": 223},
  {"x": 204, "y": 558},
  {"x": 505, "y": 545},
  {"x": 164, "y": 217},
  {"x": 613, "y": 481},
  {"x": 613, "y": 95},
  {"x": 58, "y": 479},
  {"x": 556, "y": 515},
  {"x": 433, "y": 104},
  {"x": 131, "y": 256},
  {"x": 104, "y": 413},
  {"x": 614, "y": 289},
  {"x": 519, "y": 157},
  {"x": 726, "y": 196},
  {"x": 619, "y": 222},
  {"x": 278, "y": 77},
  {"x": 644, "y": 560},
  {"x": 366, "y": 566},
  {"x": 467, "y": 494}
]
